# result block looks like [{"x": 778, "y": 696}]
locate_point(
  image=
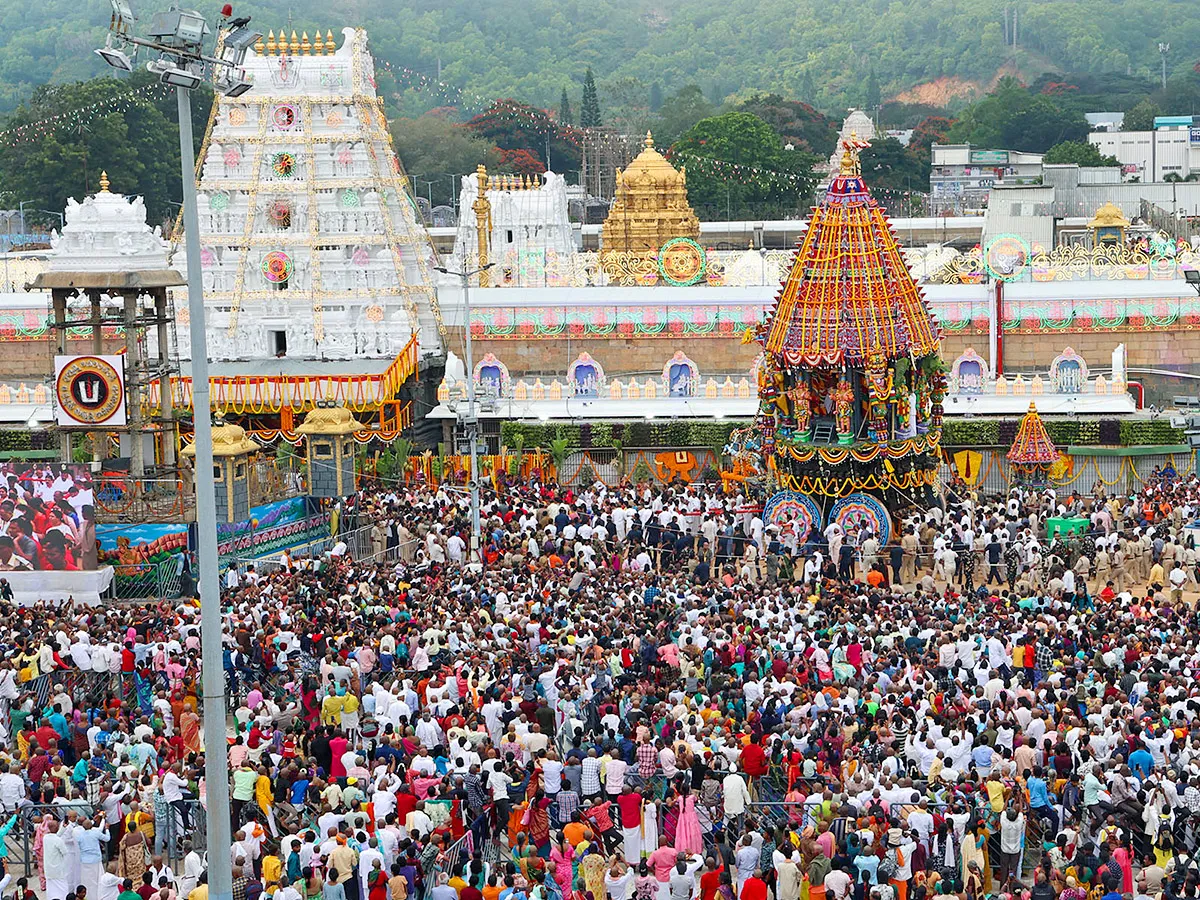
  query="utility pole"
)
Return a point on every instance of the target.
[
  {"x": 1163, "y": 50},
  {"x": 471, "y": 423}
]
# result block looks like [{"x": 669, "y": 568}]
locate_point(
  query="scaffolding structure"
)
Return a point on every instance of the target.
[{"x": 604, "y": 151}]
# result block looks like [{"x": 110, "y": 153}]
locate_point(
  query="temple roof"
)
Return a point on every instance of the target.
[
  {"x": 849, "y": 293},
  {"x": 650, "y": 206},
  {"x": 1108, "y": 216},
  {"x": 1032, "y": 444}
]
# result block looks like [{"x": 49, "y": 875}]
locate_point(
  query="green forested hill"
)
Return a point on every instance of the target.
[{"x": 822, "y": 52}]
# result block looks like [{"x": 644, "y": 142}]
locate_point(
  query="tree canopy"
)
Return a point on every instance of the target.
[
  {"x": 136, "y": 141},
  {"x": 1082, "y": 153},
  {"x": 736, "y": 161},
  {"x": 1013, "y": 117},
  {"x": 527, "y": 48}
]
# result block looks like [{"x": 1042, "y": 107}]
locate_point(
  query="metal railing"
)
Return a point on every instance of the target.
[
  {"x": 452, "y": 857},
  {"x": 143, "y": 580}
]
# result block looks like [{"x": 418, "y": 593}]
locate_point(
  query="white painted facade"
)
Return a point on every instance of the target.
[
  {"x": 528, "y": 224},
  {"x": 301, "y": 171},
  {"x": 1152, "y": 155}
]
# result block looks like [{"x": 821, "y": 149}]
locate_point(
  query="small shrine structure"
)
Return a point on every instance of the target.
[
  {"x": 1108, "y": 226},
  {"x": 1032, "y": 452}
]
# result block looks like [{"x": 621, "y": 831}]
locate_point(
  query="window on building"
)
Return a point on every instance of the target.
[{"x": 322, "y": 449}]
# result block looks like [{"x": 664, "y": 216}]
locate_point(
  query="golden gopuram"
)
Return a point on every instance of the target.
[{"x": 650, "y": 207}]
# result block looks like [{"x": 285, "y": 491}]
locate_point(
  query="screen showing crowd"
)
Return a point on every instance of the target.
[{"x": 47, "y": 517}]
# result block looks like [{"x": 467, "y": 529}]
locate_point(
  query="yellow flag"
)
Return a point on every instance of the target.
[{"x": 968, "y": 464}]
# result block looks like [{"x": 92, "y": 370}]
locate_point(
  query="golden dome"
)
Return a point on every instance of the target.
[
  {"x": 650, "y": 206},
  {"x": 654, "y": 164},
  {"x": 228, "y": 440},
  {"x": 329, "y": 420},
  {"x": 1109, "y": 216}
]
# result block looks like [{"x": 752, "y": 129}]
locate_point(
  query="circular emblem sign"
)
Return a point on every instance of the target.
[
  {"x": 89, "y": 390},
  {"x": 1006, "y": 257},
  {"x": 682, "y": 261}
]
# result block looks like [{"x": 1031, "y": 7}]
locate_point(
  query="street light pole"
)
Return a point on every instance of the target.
[
  {"x": 471, "y": 423},
  {"x": 178, "y": 37},
  {"x": 216, "y": 751}
]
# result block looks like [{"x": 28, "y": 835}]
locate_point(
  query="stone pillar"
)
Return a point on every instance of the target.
[
  {"x": 483, "y": 225},
  {"x": 58, "y": 300},
  {"x": 329, "y": 450},
  {"x": 133, "y": 390}
]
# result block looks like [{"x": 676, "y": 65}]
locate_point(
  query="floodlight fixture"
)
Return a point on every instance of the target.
[
  {"x": 236, "y": 44},
  {"x": 234, "y": 82},
  {"x": 182, "y": 29},
  {"x": 114, "y": 56},
  {"x": 1192, "y": 277},
  {"x": 242, "y": 39},
  {"x": 175, "y": 76}
]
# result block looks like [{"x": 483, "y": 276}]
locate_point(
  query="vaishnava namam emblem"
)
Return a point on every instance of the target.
[{"x": 89, "y": 390}]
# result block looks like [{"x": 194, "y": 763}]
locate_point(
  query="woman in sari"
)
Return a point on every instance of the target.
[
  {"x": 523, "y": 852},
  {"x": 562, "y": 855},
  {"x": 975, "y": 855},
  {"x": 189, "y": 728},
  {"x": 312, "y": 884},
  {"x": 592, "y": 869},
  {"x": 131, "y": 861},
  {"x": 539, "y": 823}
]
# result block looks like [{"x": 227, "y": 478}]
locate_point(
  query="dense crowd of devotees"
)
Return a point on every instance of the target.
[{"x": 637, "y": 693}]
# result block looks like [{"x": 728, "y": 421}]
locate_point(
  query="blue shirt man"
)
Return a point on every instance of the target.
[
  {"x": 89, "y": 840},
  {"x": 1141, "y": 762}
]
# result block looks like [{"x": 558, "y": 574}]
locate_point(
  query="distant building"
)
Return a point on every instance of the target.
[
  {"x": 1172, "y": 148},
  {"x": 962, "y": 176},
  {"x": 1105, "y": 121}
]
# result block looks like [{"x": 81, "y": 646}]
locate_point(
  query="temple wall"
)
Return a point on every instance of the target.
[
  {"x": 620, "y": 357},
  {"x": 1164, "y": 348}
]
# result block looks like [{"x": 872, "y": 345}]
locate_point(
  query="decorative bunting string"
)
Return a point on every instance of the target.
[{"x": 83, "y": 115}]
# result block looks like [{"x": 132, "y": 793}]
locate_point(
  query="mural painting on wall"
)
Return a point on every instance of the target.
[{"x": 272, "y": 528}]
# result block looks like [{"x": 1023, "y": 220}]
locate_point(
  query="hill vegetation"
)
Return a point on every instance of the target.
[{"x": 828, "y": 56}]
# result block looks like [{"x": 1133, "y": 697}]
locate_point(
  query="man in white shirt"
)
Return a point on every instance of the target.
[{"x": 55, "y": 863}]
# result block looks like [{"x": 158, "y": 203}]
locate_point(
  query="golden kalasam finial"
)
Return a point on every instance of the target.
[
  {"x": 258, "y": 45},
  {"x": 295, "y": 48},
  {"x": 318, "y": 44},
  {"x": 270, "y": 41},
  {"x": 649, "y": 140},
  {"x": 104, "y": 182},
  {"x": 305, "y": 46},
  {"x": 851, "y": 146},
  {"x": 330, "y": 46}
]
